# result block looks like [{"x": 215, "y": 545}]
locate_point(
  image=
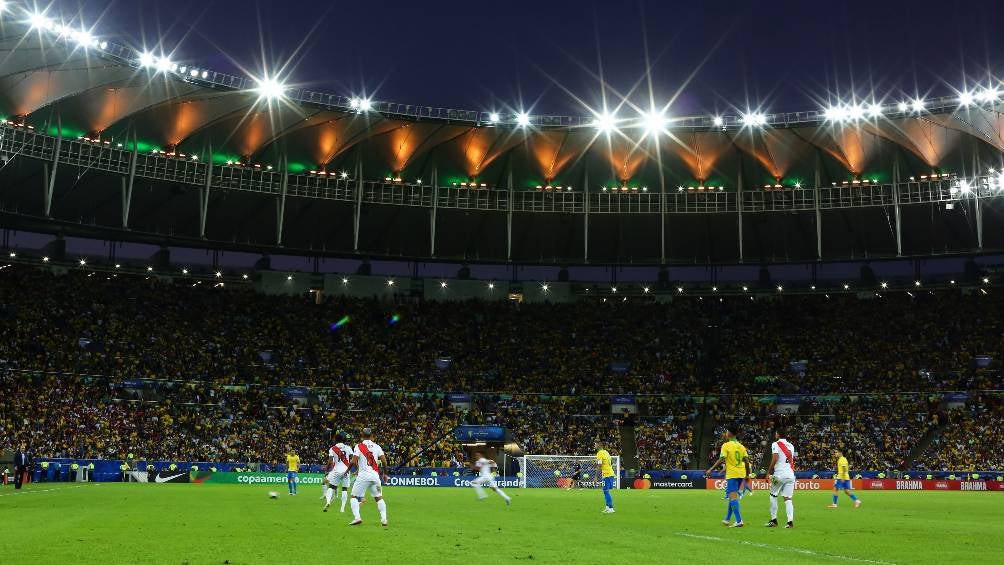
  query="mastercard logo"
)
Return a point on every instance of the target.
[{"x": 642, "y": 484}]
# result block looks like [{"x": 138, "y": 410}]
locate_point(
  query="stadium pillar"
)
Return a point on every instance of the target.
[
  {"x": 976, "y": 199},
  {"x": 435, "y": 209},
  {"x": 128, "y": 182},
  {"x": 204, "y": 196},
  {"x": 508, "y": 219},
  {"x": 819, "y": 215},
  {"x": 662, "y": 215},
  {"x": 895, "y": 203},
  {"x": 280, "y": 210},
  {"x": 359, "y": 204},
  {"x": 51, "y": 185},
  {"x": 739, "y": 205},
  {"x": 585, "y": 217}
]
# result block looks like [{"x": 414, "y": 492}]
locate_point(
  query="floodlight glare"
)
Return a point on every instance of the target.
[
  {"x": 965, "y": 186},
  {"x": 38, "y": 21},
  {"x": 269, "y": 88},
  {"x": 654, "y": 122},
  {"x": 917, "y": 105},
  {"x": 605, "y": 122},
  {"x": 966, "y": 98},
  {"x": 493, "y": 117},
  {"x": 855, "y": 111},
  {"x": 522, "y": 119},
  {"x": 874, "y": 110},
  {"x": 754, "y": 119},
  {"x": 163, "y": 64},
  {"x": 988, "y": 95},
  {"x": 718, "y": 121},
  {"x": 902, "y": 107},
  {"x": 3, "y": 5},
  {"x": 835, "y": 114}
]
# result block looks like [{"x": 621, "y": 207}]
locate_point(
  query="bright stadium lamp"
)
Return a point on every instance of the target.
[
  {"x": 966, "y": 98},
  {"x": 269, "y": 88},
  {"x": 654, "y": 122},
  {"x": 718, "y": 121},
  {"x": 163, "y": 64},
  {"x": 39, "y": 21},
  {"x": 988, "y": 95},
  {"x": 754, "y": 119},
  {"x": 917, "y": 105},
  {"x": 605, "y": 122},
  {"x": 3, "y": 6},
  {"x": 902, "y": 106},
  {"x": 835, "y": 114},
  {"x": 493, "y": 117},
  {"x": 874, "y": 110},
  {"x": 856, "y": 111},
  {"x": 522, "y": 119}
]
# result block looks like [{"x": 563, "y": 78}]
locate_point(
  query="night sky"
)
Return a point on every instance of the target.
[{"x": 542, "y": 55}]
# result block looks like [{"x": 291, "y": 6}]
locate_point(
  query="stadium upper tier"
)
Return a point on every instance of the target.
[{"x": 117, "y": 138}]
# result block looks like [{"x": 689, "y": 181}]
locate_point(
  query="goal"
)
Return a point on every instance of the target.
[{"x": 555, "y": 471}]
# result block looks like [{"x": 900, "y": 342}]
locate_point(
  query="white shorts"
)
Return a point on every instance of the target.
[
  {"x": 362, "y": 486},
  {"x": 484, "y": 482},
  {"x": 782, "y": 486},
  {"x": 336, "y": 479}
]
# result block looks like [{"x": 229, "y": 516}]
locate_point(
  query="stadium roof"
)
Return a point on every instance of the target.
[{"x": 115, "y": 139}]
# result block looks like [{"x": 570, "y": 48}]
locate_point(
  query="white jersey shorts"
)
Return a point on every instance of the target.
[
  {"x": 484, "y": 482},
  {"x": 362, "y": 486},
  {"x": 783, "y": 486},
  {"x": 336, "y": 479}
]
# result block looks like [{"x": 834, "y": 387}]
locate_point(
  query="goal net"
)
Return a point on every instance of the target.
[{"x": 555, "y": 471}]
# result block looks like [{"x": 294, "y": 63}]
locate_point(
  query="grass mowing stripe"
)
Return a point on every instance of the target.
[{"x": 790, "y": 549}]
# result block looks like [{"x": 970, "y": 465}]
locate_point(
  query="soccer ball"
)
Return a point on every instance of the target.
[{"x": 273, "y": 494}]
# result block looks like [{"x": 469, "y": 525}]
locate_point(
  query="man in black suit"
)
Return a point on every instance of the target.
[{"x": 20, "y": 465}]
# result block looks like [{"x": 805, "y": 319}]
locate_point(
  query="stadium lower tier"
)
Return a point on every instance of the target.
[{"x": 87, "y": 417}]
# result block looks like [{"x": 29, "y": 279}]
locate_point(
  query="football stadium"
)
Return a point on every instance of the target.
[{"x": 759, "y": 326}]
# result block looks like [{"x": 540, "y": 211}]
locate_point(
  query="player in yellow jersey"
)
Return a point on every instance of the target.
[
  {"x": 736, "y": 460},
  {"x": 607, "y": 473},
  {"x": 292, "y": 468},
  {"x": 842, "y": 481}
]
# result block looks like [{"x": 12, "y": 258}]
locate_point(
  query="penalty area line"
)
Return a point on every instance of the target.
[
  {"x": 817, "y": 554},
  {"x": 35, "y": 491}
]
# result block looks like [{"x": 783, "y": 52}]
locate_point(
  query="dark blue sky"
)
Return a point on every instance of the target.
[{"x": 480, "y": 55}]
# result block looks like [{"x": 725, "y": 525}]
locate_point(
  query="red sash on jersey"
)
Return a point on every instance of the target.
[
  {"x": 369, "y": 457},
  {"x": 340, "y": 454},
  {"x": 787, "y": 453}
]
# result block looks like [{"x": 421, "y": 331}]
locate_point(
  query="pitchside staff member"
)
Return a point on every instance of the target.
[{"x": 20, "y": 465}]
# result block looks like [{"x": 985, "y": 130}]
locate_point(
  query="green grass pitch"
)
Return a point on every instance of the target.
[{"x": 147, "y": 523}]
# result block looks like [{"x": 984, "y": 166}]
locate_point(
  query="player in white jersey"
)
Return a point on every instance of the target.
[
  {"x": 338, "y": 471},
  {"x": 486, "y": 479},
  {"x": 781, "y": 474},
  {"x": 369, "y": 459}
]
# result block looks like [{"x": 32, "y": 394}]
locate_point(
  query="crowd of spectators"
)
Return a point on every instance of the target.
[
  {"x": 971, "y": 439},
  {"x": 73, "y": 347}
]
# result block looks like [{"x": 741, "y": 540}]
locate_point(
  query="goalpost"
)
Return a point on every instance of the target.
[{"x": 554, "y": 471}]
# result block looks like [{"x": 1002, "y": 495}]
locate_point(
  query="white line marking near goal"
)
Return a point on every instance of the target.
[
  {"x": 801, "y": 551},
  {"x": 34, "y": 491}
]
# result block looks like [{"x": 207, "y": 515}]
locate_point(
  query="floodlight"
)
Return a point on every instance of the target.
[
  {"x": 718, "y": 121},
  {"x": 522, "y": 119},
  {"x": 754, "y": 119},
  {"x": 163, "y": 64},
  {"x": 966, "y": 98},
  {"x": 654, "y": 122},
  {"x": 835, "y": 114},
  {"x": 39, "y": 21},
  {"x": 874, "y": 110},
  {"x": 902, "y": 106},
  {"x": 605, "y": 122},
  {"x": 917, "y": 105},
  {"x": 988, "y": 95},
  {"x": 269, "y": 88},
  {"x": 493, "y": 117}
]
